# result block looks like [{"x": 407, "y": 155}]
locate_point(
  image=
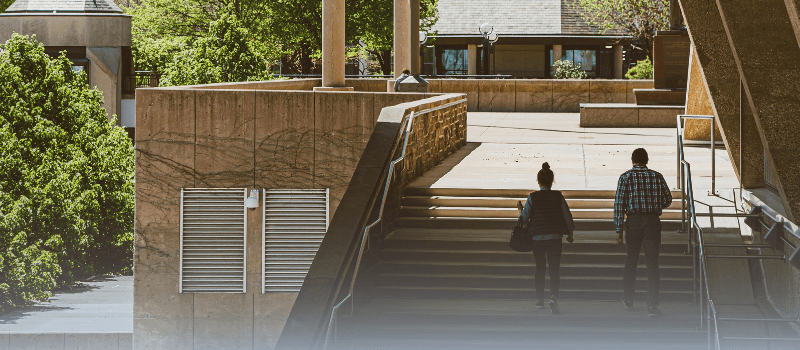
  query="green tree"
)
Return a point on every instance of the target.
[
  {"x": 66, "y": 177},
  {"x": 564, "y": 69},
  {"x": 641, "y": 18},
  {"x": 642, "y": 70},
  {"x": 4, "y": 4},
  {"x": 372, "y": 23},
  {"x": 226, "y": 54},
  {"x": 297, "y": 26},
  {"x": 166, "y": 30}
]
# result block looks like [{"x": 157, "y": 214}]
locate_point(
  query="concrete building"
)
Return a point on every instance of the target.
[
  {"x": 96, "y": 36},
  {"x": 532, "y": 35}
]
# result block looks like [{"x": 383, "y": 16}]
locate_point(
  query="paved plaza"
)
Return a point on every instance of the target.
[{"x": 102, "y": 305}]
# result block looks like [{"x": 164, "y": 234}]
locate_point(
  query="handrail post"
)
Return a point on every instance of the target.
[
  {"x": 713, "y": 159},
  {"x": 678, "y": 151}
]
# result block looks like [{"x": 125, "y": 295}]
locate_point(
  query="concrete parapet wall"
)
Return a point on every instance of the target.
[
  {"x": 538, "y": 95},
  {"x": 237, "y": 135},
  {"x": 487, "y": 95},
  {"x": 65, "y": 341}
]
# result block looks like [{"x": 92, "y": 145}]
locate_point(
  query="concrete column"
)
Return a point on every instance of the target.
[
  {"x": 402, "y": 41},
  {"x": 333, "y": 58},
  {"x": 617, "y": 61},
  {"x": 472, "y": 59},
  {"x": 414, "y": 36},
  {"x": 557, "y": 54}
]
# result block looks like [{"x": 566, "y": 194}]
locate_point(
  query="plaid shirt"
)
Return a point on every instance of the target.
[{"x": 640, "y": 191}]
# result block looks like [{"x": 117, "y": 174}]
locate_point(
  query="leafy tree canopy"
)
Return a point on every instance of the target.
[
  {"x": 639, "y": 17},
  {"x": 66, "y": 177},
  {"x": 642, "y": 70}
]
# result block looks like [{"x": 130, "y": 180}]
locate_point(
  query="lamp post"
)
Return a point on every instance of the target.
[
  {"x": 423, "y": 37},
  {"x": 486, "y": 31}
]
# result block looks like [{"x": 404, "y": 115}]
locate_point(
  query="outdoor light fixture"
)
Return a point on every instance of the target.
[
  {"x": 252, "y": 201},
  {"x": 489, "y": 37},
  {"x": 485, "y": 29},
  {"x": 423, "y": 37}
]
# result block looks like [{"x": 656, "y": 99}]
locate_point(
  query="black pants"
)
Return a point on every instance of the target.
[
  {"x": 642, "y": 231},
  {"x": 547, "y": 252}
]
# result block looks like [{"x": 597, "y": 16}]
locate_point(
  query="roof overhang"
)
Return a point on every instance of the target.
[{"x": 529, "y": 39}]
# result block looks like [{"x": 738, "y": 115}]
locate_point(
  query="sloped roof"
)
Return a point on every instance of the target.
[
  {"x": 49, "y": 6},
  {"x": 513, "y": 17}
]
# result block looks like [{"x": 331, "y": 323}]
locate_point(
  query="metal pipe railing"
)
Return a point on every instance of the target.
[
  {"x": 708, "y": 313},
  {"x": 365, "y": 234}
]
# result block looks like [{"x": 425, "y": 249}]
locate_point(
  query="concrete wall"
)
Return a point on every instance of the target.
[
  {"x": 232, "y": 138},
  {"x": 698, "y": 102},
  {"x": 539, "y": 95},
  {"x": 68, "y": 29},
  {"x": 520, "y": 60}
]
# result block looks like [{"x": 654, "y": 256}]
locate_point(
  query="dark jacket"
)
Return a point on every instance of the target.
[{"x": 549, "y": 214}]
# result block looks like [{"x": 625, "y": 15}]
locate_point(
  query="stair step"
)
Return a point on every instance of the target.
[
  {"x": 500, "y": 202},
  {"x": 505, "y": 254},
  {"x": 510, "y": 193},
  {"x": 508, "y": 223},
  {"x": 522, "y": 268},
  {"x": 487, "y": 212},
  {"x": 519, "y": 293},
  {"x": 501, "y": 245},
  {"x": 514, "y": 282}
]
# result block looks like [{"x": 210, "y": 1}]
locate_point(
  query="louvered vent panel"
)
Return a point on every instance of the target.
[
  {"x": 213, "y": 230},
  {"x": 295, "y": 222}
]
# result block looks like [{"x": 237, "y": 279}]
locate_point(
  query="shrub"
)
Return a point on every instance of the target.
[
  {"x": 564, "y": 69},
  {"x": 66, "y": 177},
  {"x": 642, "y": 70}
]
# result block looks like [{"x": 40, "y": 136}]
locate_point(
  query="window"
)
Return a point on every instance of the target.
[
  {"x": 586, "y": 59},
  {"x": 213, "y": 228},
  {"x": 452, "y": 60},
  {"x": 295, "y": 222}
]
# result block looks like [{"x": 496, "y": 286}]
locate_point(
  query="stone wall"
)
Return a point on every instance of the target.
[{"x": 246, "y": 138}]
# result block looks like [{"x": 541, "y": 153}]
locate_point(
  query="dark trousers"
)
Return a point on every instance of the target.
[
  {"x": 547, "y": 252},
  {"x": 642, "y": 231}
]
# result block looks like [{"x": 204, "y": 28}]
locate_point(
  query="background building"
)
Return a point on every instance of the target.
[
  {"x": 96, "y": 36},
  {"x": 532, "y": 35}
]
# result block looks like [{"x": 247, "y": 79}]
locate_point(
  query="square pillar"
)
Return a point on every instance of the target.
[
  {"x": 557, "y": 53},
  {"x": 333, "y": 57},
  {"x": 472, "y": 59},
  {"x": 416, "y": 67},
  {"x": 402, "y": 39},
  {"x": 617, "y": 61}
]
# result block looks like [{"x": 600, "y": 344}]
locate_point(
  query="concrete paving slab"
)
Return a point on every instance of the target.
[
  {"x": 506, "y": 150},
  {"x": 101, "y": 305}
]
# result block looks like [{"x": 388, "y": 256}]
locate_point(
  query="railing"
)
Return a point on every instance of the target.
[
  {"x": 426, "y": 76},
  {"x": 139, "y": 79},
  {"x": 709, "y": 320},
  {"x": 390, "y": 175}
]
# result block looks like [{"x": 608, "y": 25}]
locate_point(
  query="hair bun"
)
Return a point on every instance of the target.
[{"x": 545, "y": 165}]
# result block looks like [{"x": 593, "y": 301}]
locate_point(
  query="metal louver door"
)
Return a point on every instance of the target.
[
  {"x": 213, "y": 229},
  {"x": 295, "y": 222}
]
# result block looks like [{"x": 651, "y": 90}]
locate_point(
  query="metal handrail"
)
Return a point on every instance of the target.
[
  {"x": 708, "y": 312},
  {"x": 365, "y": 234}
]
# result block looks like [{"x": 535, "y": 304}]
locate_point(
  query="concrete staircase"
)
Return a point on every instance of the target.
[
  {"x": 593, "y": 210},
  {"x": 446, "y": 279}
]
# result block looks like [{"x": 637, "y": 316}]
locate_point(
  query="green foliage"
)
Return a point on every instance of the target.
[
  {"x": 564, "y": 69},
  {"x": 209, "y": 41},
  {"x": 371, "y": 22},
  {"x": 642, "y": 70},
  {"x": 641, "y": 18},
  {"x": 66, "y": 177},
  {"x": 4, "y": 4},
  {"x": 226, "y": 54}
]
